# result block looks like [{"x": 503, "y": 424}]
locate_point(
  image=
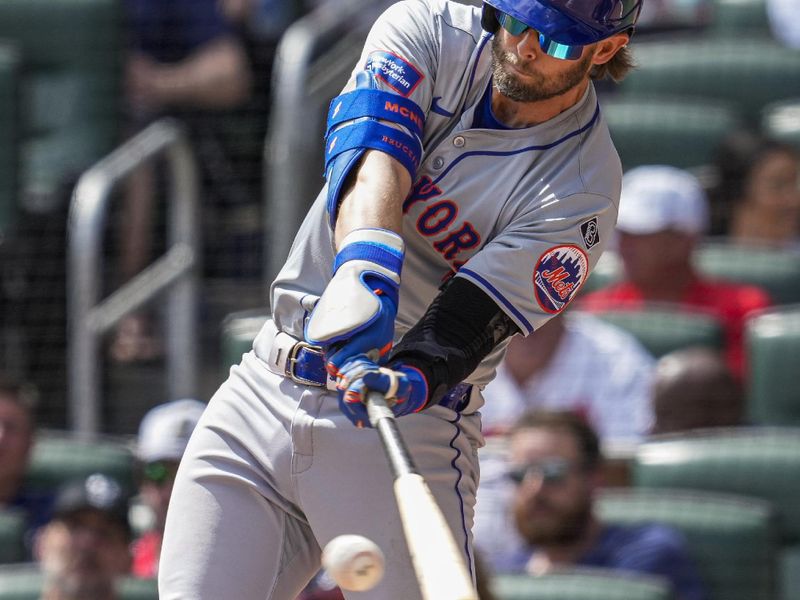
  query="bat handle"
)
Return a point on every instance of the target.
[
  {"x": 377, "y": 408},
  {"x": 383, "y": 420}
]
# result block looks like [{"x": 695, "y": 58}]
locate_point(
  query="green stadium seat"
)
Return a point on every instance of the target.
[
  {"x": 735, "y": 17},
  {"x": 72, "y": 64},
  {"x": 789, "y": 573},
  {"x": 12, "y": 530},
  {"x": 782, "y": 121},
  {"x": 138, "y": 589},
  {"x": 775, "y": 270},
  {"x": 773, "y": 346},
  {"x": 579, "y": 584},
  {"x": 749, "y": 73},
  {"x": 57, "y": 459},
  {"x": 664, "y": 328},
  {"x": 654, "y": 130},
  {"x": 9, "y": 151},
  {"x": 762, "y": 462},
  {"x": 239, "y": 329},
  {"x": 732, "y": 539},
  {"x": 24, "y": 582}
]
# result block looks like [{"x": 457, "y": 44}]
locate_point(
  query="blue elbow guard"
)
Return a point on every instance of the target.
[
  {"x": 352, "y": 128},
  {"x": 377, "y": 104}
]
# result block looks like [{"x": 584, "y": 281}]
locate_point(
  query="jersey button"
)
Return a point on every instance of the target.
[
  {"x": 438, "y": 162},
  {"x": 459, "y": 141}
]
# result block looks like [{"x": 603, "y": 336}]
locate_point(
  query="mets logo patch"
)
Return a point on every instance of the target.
[
  {"x": 559, "y": 273},
  {"x": 590, "y": 233},
  {"x": 401, "y": 75}
]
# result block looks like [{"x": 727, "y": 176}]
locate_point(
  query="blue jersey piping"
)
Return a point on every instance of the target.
[
  {"x": 464, "y": 528},
  {"x": 561, "y": 140},
  {"x": 500, "y": 297}
]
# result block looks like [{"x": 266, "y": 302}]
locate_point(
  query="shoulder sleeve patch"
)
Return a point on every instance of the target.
[
  {"x": 398, "y": 73},
  {"x": 590, "y": 233},
  {"x": 558, "y": 275}
]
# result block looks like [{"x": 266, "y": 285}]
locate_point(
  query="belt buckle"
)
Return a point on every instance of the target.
[{"x": 292, "y": 360}]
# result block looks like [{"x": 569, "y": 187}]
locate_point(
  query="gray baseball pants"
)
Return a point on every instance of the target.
[{"x": 274, "y": 471}]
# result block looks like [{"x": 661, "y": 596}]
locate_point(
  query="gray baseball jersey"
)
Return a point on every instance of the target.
[
  {"x": 523, "y": 214},
  {"x": 274, "y": 470}
]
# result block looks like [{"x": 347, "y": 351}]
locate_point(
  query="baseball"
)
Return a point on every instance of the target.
[{"x": 354, "y": 562}]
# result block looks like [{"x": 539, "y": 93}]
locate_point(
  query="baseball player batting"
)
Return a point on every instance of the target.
[{"x": 471, "y": 186}]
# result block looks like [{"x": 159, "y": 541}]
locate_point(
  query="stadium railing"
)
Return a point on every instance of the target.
[{"x": 176, "y": 271}]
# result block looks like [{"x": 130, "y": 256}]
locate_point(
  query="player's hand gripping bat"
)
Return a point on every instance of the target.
[{"x": 438, "y": 563}]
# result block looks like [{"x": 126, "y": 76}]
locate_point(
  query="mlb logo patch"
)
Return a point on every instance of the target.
[
  {"x": 590, "y": 233},
  {"x": 398, "y": 73},
  {"x": 559, "y": 273}
]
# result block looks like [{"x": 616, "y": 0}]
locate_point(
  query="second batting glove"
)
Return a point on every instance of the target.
[{"x": 405, "y": 388}]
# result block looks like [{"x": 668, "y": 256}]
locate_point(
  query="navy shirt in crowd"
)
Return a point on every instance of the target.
[
  {"x": 649, "y": 549},
  {"x": 170, "y": 30}
]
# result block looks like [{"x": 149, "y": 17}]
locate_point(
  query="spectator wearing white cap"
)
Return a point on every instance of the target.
[
  {"x": 163, "y": 435},
  {"x": 783, "y": 21},
  {"x": 663, "y": 213}
]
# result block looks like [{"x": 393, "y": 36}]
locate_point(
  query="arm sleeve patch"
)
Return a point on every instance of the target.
[{"x": 397, "y": 72}]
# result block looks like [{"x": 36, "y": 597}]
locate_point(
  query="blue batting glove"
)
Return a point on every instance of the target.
[
  {"x": 374, "y": 341},
  {"x": 355, "y": 313},
  {"x": 405, "y": 388}
]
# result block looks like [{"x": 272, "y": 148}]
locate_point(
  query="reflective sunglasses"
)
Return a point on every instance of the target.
[
  {"x": 549, "y": 46},
  {"x": 550, "y": 471}
]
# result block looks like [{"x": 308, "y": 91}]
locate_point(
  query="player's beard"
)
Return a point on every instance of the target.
[
  {"x": 538, "y": 86},
  {"x": 554, "y": 525}
]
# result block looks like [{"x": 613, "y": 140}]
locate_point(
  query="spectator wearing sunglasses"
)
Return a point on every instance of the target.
[
  {"x": 163, "y": 435},
  {"x": 553, "y": 473}
]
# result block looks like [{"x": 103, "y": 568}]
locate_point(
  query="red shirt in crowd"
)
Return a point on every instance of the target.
[
  {"x": 731, "y": 302},
  {"x": 145, "y": 552}
]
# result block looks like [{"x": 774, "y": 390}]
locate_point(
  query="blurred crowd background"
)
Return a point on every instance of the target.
[{"x": 643, "y": 445}]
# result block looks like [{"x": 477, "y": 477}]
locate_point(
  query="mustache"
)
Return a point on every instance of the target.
[{"x": 504, "y": 57}]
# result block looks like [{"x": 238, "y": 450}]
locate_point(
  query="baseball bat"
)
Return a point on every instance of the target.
[{"x": 438, "y": 562}]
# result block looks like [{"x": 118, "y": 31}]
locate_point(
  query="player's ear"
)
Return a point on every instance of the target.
[{"x": 607, "y": 48}]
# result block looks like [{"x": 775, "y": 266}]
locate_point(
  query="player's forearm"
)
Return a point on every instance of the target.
[{"x": 375, "y": 197}]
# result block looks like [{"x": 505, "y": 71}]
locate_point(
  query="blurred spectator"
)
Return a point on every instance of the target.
[
  {"x": 757, "y": 194},
  {"x": 783, "y": 21},
  {"x": 163, "y": 435},
  {"x": 663, "y": 212},
  {"x": 694, "y": 388},
  {"x": 575, "y": 362},
  {"x": 16, "y": 438},
  {"x": 555, "y": 471},
  {"x": 185, "y": 61},
  {"x": 661, "y": 15},
  {"x": 83, "y": 550},
  {"x": 17, "y": 430},
  {"x": 262, "y": 19}
]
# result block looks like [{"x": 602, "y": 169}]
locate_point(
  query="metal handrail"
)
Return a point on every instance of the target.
[{"x": 175, "y": 272}]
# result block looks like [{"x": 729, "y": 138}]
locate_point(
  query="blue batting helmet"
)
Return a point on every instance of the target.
[{"x": 571, "y": 22}]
